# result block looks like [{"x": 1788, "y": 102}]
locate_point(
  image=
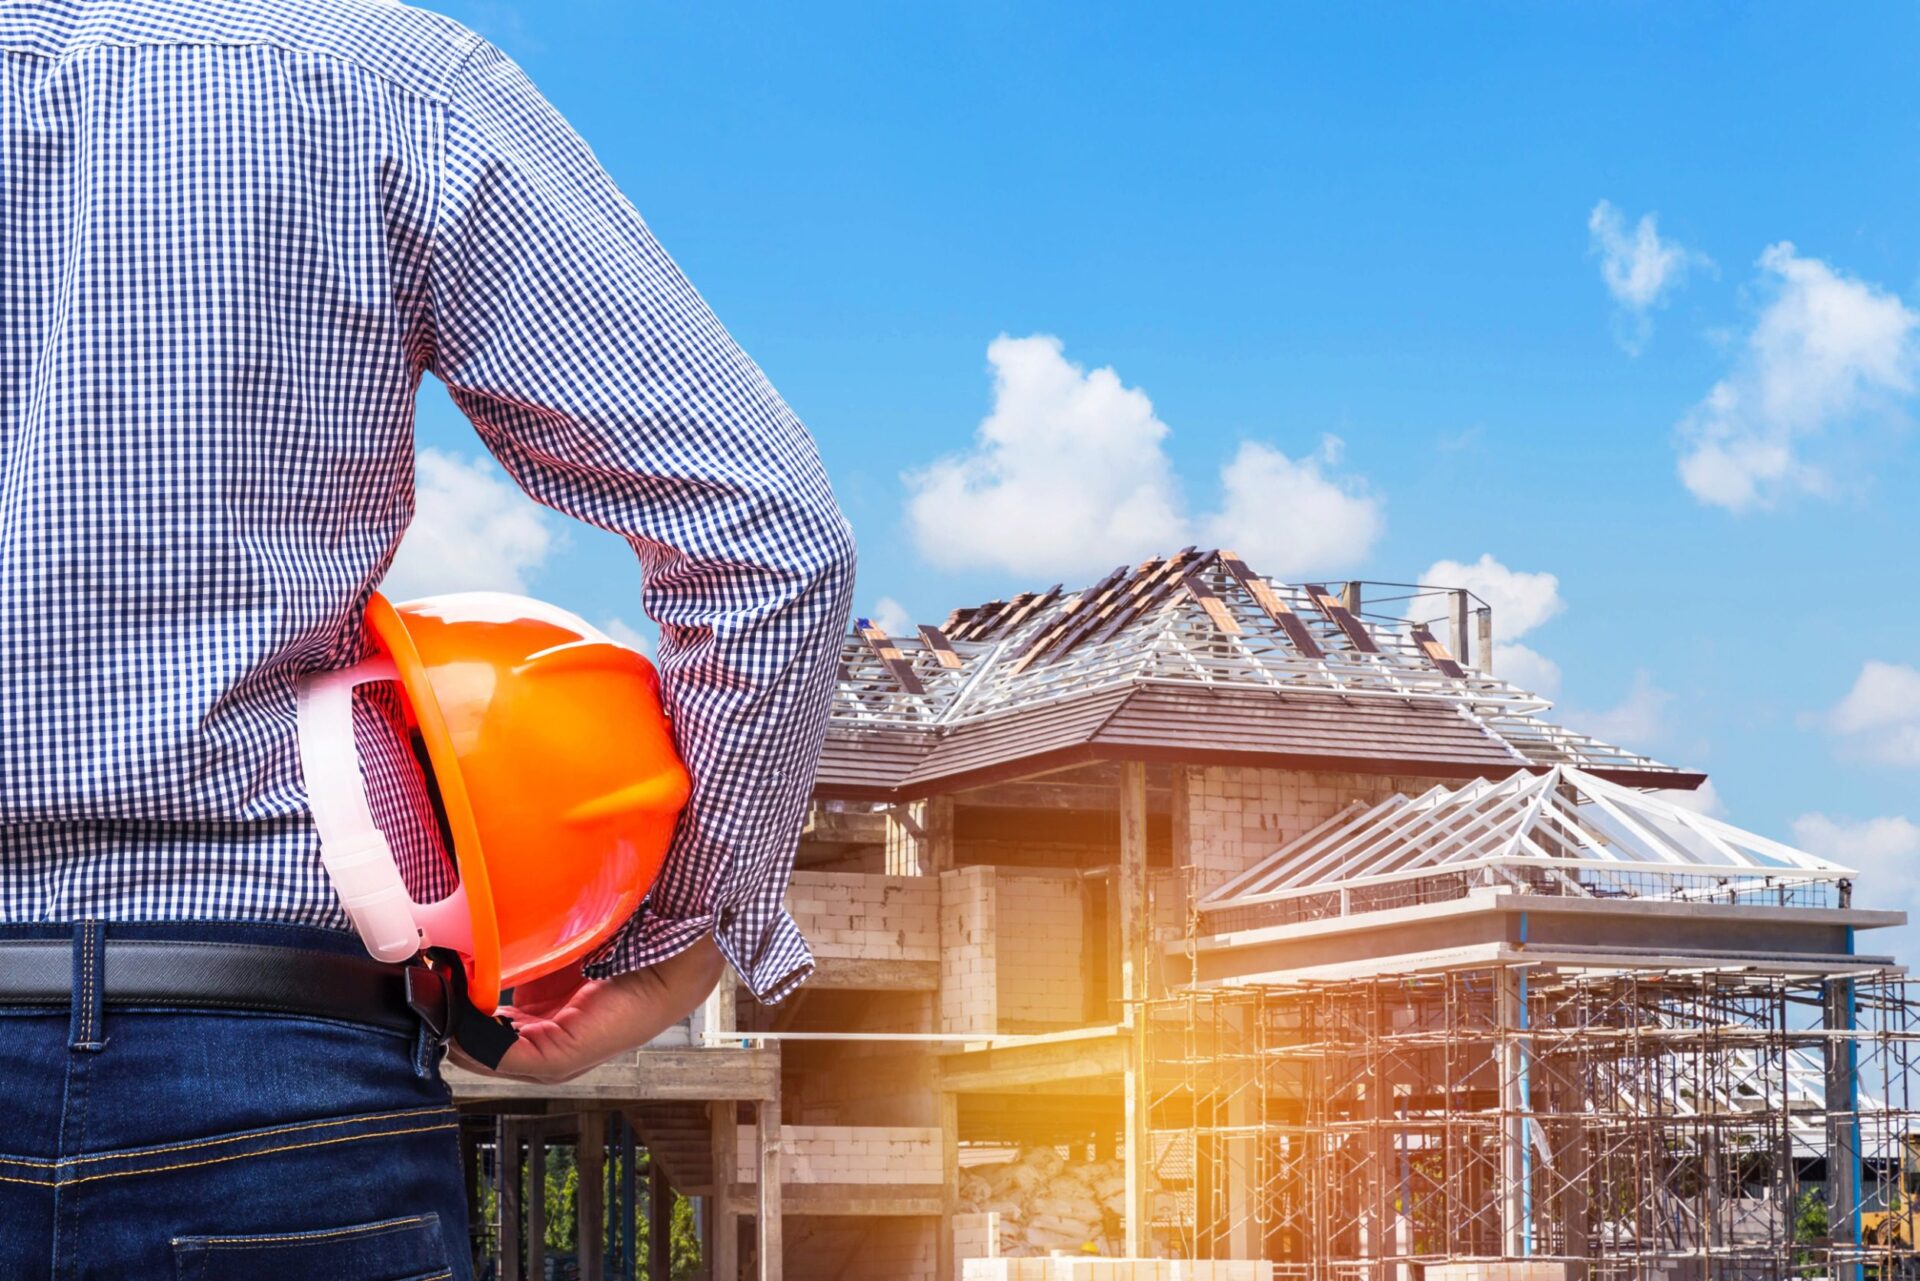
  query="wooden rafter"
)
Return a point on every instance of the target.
[
  {"x": 887, "y": 652},
  {"x": 1340, "y": 616}
]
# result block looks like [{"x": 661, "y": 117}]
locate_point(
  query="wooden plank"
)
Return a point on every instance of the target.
[
  {"x": 1276, "y": 609},
  {"x": 1211, "y": 602},
  {"x": 1101, "y": 611},
  {"x": 590, "y": 1245},
  {"x": 768, "y": 1213},
  {"x": 1149, "y": 590},
  {"x": 887, "y": 652},
  {"x": 1436, "y": 652},
  {"x": 651, "y": 1075},
  {"x": 936, "y": 640},
  {"x": 1341, "y": 617},
  {"x": 1070, "y": 613},
  {"x": 1034, "y": 604}
]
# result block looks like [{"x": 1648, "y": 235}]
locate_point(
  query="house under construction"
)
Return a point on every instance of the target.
[{"x": 1198, "y": 916}]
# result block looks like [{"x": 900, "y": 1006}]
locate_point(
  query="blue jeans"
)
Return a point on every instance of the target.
[{"x": 181, "y": 1145}]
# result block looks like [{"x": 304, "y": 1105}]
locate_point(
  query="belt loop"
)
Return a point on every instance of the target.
[{"x": 89, "y": 987}]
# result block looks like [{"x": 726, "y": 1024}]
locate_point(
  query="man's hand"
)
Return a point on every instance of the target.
[{"x": 564, "y": 1033}]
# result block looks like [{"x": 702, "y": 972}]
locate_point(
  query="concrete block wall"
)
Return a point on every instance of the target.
[
  {"x": 976, "y": 1236},
  {"x": 969, "y": 1000},
  {"x": 880, "y": 1154},
  {"x": 1083, "y": 1269},
  {"x": 1040, "y": 977},
  {"x": 1236, "y": 816},
  {"x": 1505, "y": 1270},
  {"x": 858, "y": 916}
]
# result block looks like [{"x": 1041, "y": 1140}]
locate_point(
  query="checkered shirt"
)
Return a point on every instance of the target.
[{"x": 232, "y": 238}]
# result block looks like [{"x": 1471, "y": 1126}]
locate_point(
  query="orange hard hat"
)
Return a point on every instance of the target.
[{"x": 554, "y": 767}]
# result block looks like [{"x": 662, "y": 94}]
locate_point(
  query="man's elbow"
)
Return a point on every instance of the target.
[{"x": 827, "y": 554}]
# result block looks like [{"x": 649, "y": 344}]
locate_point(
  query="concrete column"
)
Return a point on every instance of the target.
[
  {"x": 1242, "y": 1144},
  {"x": 536, "y": 1207},
  {"x": 507, "y": 1173},
  {"x": 659, "y": 1222},
  {"x": 1132, "y": 886},
  {"x": 1485, "y": 620},
  {"x": 1516, "y": 1165},
  {"x": 1382, "y": 1239},
  {"x": 591, "y": 1220},
  {"x": 768, "y": 1221},
  {"x": 946, "y": 1266},
  {"x": 920, "y": 837},
  {"x": 726, "y": 1220},
  {"x": 1842, "y": 1063},
  {"x": 1458, "y": 608},
  {"x": 470, "y": 1169}
]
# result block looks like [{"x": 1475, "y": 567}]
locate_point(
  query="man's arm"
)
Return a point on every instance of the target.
[{"x": 605, "y": 386}]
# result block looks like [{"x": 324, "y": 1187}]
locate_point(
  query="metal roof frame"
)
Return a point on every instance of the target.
[{"x": 1588, "y": 835}]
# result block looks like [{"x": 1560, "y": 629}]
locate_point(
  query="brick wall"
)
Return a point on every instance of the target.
[
  {"x": 1236, "y": 816},
  {"x": 1040, "y": 975},
  {"x": 886, "y": 1154},
  {"x": 969, "y": 940},
  {"x": 863, "y": 917}
]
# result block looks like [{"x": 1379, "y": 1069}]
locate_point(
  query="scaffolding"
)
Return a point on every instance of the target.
[{"x": 1626, "y": 1126}]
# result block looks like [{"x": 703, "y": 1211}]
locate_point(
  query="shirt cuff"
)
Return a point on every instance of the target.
[{"x": 772, "y": 960}]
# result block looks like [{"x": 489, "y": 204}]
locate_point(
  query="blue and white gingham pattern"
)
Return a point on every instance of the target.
[{"x": 232, "y": 238}]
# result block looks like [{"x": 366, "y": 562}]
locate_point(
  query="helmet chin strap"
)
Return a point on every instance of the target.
[
  {"x": 360, "y": 863},
  {"x": 355, "y": 853}
]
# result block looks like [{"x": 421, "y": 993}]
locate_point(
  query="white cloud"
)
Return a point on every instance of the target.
[
  {"x": 1638, "y": 719},
  {"x": 891, "y": 617},
  {"x": 1287, "y": 516},
  {"x": 1526, "y": 667},
  {"x": 1704, "y": 799},
  {"x": 1827, "y": 351},
  {"x": 1521, "y": 601},
  {"x": 1883, "y": 851},
  {"x": 632, "y": 637},
  {"x": 1069, "y": 475},
  {"x": 1639, "y": 269},
  {"x": 472, "y": 530},
  {"x": 1880, "y": 716},
  {"x": 1888, "y": 844}
]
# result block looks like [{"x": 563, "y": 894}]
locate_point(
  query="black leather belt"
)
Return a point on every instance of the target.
[{"x": 231, "y": 976}]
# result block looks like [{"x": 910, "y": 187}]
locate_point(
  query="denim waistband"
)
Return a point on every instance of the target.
[{"x": 303, "y": 937}]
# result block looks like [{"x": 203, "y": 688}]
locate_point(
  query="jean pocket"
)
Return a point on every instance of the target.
[{"x": 408, "y": 1249}]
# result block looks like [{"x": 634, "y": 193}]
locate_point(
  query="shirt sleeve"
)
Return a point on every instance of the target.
[{"x": 607, "y": 388}]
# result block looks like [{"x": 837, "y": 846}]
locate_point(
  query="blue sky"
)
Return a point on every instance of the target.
[{"x": 1279, "y": 226}]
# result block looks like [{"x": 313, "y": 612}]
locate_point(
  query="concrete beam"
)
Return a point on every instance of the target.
[{"x": 688, "y": 1075}]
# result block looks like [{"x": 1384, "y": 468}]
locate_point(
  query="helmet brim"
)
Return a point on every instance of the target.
[{"x": 483, "y": 971}]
